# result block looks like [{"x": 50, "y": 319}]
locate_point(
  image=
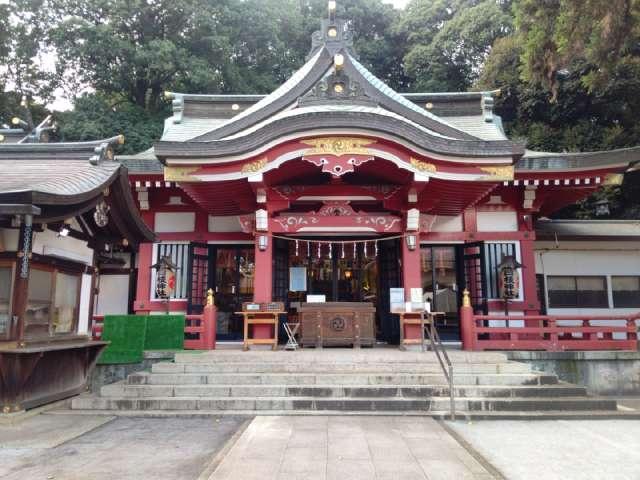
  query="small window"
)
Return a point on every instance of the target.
[
  {"x": 494, "y": 252},
  {"x": 626, "y": 291},
  {"x": 38, "y": 312},
  {"x": 179, "y": 254},
  {"x": 577, "y": 292},
  {"x": 6, "y": 281},
  {"x": 65, "y": 308}
]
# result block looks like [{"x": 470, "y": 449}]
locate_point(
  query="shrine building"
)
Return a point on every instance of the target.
[{"x": 335, "y": 185}]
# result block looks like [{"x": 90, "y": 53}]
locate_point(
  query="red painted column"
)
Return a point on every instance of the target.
[
  {"x": 529, "y": 284},
  {"x": 411, "y": 278},
  {"x": 263, "y": 285},
  {"x": 142, "y": 305}
]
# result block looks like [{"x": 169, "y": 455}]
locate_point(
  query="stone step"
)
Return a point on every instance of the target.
[
  {"x": 336, "y": 356},
  {"x": 324, "y": 367},
  {"x": 344, "y": 404},
  {"x": 333, "y": 391},
  {"x": 144, "y": 378}
]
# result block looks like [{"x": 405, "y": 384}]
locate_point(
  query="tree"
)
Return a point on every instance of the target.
[
  {"x": 97, "y": 116},
  {"x": 21, "y": 46},
  {"x": 448, "y": 40},
  {"x": 554, "y": 33},
  {"x": 138, "y": 48}
]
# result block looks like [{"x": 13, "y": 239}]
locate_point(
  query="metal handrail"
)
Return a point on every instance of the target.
[{"x": 436, "y": 346}]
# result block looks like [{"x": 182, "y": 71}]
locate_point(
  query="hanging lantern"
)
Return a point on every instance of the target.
[
  {"x": 319, "y": 251},
  {"x": 296, "y": 248},
  {"x": 330, "y": 251},
  {"x": 165, "y": 277},
  {"x": 100, "y": 216},
  {"x": 508, "y": 279}
]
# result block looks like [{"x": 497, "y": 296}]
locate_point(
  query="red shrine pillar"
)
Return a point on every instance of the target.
[
  {"x": 263, "y": 275},
  {"x": 263, "y": 285},
  {"x": 142, "y": 304},
  {"x": 411, "y": 272},
  {"x": 529, "y": 283}
]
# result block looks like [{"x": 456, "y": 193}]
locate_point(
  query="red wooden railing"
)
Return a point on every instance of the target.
[
  {"x": 199, "y": 330},
  {"x": 544, "y": 332},
  {"x": 203, "y": 327}
]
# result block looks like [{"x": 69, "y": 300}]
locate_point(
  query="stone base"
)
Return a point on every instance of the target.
[{"x": 602, "y": 373}]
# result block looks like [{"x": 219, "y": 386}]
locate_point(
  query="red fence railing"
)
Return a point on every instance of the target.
[
  {"x": 199, "y": 330},
  {"x": 549, "y": 332}
]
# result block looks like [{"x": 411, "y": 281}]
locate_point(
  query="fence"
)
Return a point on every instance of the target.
[{"x": 552, "y": 333}]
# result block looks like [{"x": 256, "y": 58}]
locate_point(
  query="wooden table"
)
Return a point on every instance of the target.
[
  {"x": 260, "y": 318},
  {"x": 420, "y": 318}
]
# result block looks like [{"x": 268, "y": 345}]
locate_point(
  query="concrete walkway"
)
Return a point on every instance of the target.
[
  {"x": 347, "y": 447},
  {"x": 557, "y": 449},
  {"x": 80, "y": 447}
]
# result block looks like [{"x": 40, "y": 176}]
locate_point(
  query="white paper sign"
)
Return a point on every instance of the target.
[{"x": 316, "y": 298}]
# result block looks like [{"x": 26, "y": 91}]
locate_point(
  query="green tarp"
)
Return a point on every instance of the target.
[{"x": 131, "y": 335}]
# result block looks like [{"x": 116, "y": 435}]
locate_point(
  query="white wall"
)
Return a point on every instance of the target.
[
  {"x": 588, "y": 258},
  {"x": 114, "y": 295},
  {"x": 85, "y": 300},
  {"x": 224, "y": 224},
  {"x": 50, "y": 243},
  {"x": 446, "y": 223},
  {"x": 167, "y": 222},
  {"x": 497, "y": 222}
]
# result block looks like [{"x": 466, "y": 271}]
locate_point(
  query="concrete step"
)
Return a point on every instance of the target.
[
  {"x": 144, "y": 378},
  {"x": 344, "y": 404},
  {"x": 333, "y": 391},
  {"x": 336, "y": 356},
  {"x": 440, "y": 414},
  {"x": 324, "y": 367}
]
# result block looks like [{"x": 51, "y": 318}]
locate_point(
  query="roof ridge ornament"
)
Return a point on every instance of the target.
[
  {"x": 334, "y": 34},
  {"x": 104, "y": 151}
]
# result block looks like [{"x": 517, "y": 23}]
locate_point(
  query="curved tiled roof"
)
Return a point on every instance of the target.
[
  {"x": 67, "y": 179},
  {"x": 306, "y": 119}
]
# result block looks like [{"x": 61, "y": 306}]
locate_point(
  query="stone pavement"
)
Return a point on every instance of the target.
[
  {"x": 348, "y": 447},
  {"x": 73, "y": 447},
  {"x": 557, "y": 449}
]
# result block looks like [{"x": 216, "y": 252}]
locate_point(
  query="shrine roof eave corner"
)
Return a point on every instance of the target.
[{"x": 539, "y": 162}]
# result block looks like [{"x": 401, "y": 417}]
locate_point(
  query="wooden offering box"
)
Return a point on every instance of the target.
[{"x": 337, "y": 324}]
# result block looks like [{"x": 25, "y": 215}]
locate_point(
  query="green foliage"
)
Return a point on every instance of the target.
[
  {"x": 554, "y": 33},
  {"x": 449, "y": 40},
  {"x": 97, "y": 116}
]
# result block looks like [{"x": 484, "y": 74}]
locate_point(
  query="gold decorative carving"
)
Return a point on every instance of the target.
[
  {"x": 502, "y": 173},
  {"x": 254, "y": 167},
  {"x": 613, "y": 179},
  {"x": 180, "y": 174},
  {"x": 423, "y": 166},
  {"x": 338, "y": 146}
]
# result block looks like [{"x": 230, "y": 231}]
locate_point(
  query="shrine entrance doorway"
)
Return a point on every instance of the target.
[{"x": 358, "y": 270}]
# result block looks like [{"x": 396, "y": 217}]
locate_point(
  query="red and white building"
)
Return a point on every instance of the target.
[{"x": 336, "y": 185}]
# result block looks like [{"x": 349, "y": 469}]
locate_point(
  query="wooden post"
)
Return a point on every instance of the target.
[
  {"x": 467, "y": 325},
  {"x": 21, "y": 280},
  {"x": 142, "y": 303},
  {"x": 209, "y": 319}
]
